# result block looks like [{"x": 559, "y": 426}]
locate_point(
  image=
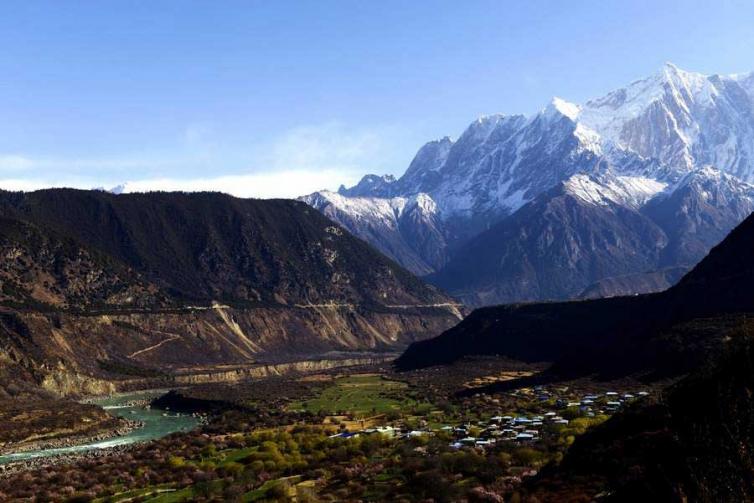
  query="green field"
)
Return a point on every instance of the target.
[{"x": 361, "y": 395}]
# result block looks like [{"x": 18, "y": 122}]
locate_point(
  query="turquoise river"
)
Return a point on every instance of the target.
[{"x": 156, "y": 423}]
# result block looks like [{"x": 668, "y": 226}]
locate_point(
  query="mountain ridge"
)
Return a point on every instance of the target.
[
  {"x": 171, "y": 283},
  {"x": 637, "y": 145}
]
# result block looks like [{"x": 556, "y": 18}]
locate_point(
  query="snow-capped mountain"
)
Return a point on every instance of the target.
[
  {"x": 370, "y": 185},
  {"x": 406, "y": 229},
  {"x": 675, "y": 149},
  {"x": 681, "y": 119}
]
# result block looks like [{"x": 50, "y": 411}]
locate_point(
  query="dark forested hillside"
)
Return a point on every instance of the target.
[
  {"x": 613, "y": 335},
  {"x": 693, "y": 443},
  {"x": 211, "y": 246}
]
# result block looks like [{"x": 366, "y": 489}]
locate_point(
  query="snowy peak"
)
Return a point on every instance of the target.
[
  {"x": 116, "y": 190},
  {"x": 709, "y": 181},
  {"x": 405, "y": 229},
  {"x": 636, "y": 191},
  {"x": 480, "y": 129},
  {"x": 687, "y": 90},
  {"x": 430, "y": 159},
  {"x": 422, "y": 203},
  {"x": 631, "y": 101},
  {"x": 660, "y": 127},
  {"x": 560, "y": 107},
  {"x": 370, "y": 185},
  {"x": 682, "y": 119},
  {"x": 361, "y": 208},
  {"x": 678, "y": 78}
]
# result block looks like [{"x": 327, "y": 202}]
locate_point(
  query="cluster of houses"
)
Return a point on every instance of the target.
[
  {"x": 388, "y": 431},
  {"x": 503, "y": 428},
  {"x": 524, "y": 428},
  {"x": 520, "y": 428},
  {"x": 600, "y": 404}
]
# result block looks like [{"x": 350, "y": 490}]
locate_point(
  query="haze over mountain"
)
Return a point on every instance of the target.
[{"x": 621, "y": 194}]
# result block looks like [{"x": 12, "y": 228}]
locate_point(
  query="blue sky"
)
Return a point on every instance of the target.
[{"x": 280, "y": 98}]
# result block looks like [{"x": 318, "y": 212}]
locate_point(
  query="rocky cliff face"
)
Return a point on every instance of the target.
[
  {"x": 674, "y": 150},
  {"x": 597, "y": 230},
  {"x": 97, "y": 286}
]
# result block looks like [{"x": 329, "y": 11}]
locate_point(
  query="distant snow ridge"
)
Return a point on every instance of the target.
[
  {"x": 633, "y": 148},
  {"x": 406, "y": 229},
  {"x": 389, "y": 211},
  {"x": 118, "y": 189},
  {"x": 631, "y": 191}
]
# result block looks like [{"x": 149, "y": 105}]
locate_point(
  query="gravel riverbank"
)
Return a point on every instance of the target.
[{"x": 125, "y": 427}]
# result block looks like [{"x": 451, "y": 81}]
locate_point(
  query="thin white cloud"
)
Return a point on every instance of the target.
[
  {"x": 273, "y": 184},
  {"x": 16, "y": 184},
  {"x": 14, "y": 163},
  {"x": 277, "y": 184},
  {"x": 327, "y": 146},
  {"x": 298, "y": 162}
]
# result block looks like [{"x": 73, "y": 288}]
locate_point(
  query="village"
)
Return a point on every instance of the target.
[
  {"x": 547, "y": 413},
  {"x": 368, "y": 435}
]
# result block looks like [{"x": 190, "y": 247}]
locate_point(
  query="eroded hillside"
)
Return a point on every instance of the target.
[{"x": 97, "y": 287}]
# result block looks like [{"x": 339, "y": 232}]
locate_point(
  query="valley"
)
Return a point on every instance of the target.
[
  {"x": 102, "y": 295},
  {"x": 385, "y": 393},
  {"x": 381, "y": 392},
  {"x": 243, "y": 260},
  {"x": 364, "y": 433}
]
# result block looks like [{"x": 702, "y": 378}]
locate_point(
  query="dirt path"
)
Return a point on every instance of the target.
[
  {"x": 454, "y": 307},
  {"x": 150, "y": 348}
]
